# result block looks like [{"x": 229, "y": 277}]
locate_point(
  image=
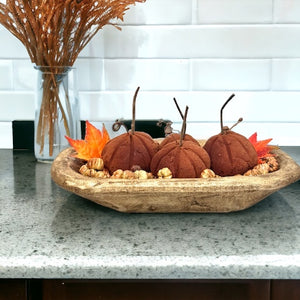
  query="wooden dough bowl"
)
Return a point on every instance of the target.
[{"x": 199, "y": 195}]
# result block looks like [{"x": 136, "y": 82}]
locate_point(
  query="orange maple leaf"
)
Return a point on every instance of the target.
[
  {"x": 93, "y": 143},
  {"x": 262, "y": 148}
]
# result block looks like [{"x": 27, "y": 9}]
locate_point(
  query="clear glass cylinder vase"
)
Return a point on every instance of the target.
[{"x": 56, "y": 111}]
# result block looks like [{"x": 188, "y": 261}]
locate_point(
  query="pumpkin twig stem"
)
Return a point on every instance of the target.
[
  {"x": 133, "y": 110},
  {"x": 183, "y": 128},
  {"x": 239, "y": 121},
  {"x": 181, "y": 114},
  {"x": 221, "y": 112}
]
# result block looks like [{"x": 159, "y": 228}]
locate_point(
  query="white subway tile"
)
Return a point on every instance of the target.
[
  {"x": 230, "y": 74},
  {"x": 160, "y": 12},
  {"x": 17, "y": 106},
  {"x": 150, "y": 74},
  {"x": 90, "y": 74},
  {"x": 269, "y": 106},
  {"x": 286, "y": 11},
  {"x": 105, "y": 106},
  {"x": 234, "y": 11},
  {"x": 6, "y": 75},
  {"x": 285, "y": 74},
  {"x": 95, "y": 48},
  {"x": 11, "y": 47},
  {"x": 6, "y": 141},
  {"x": 197, "y": 41},
  {"x": 25, "y": 76}
]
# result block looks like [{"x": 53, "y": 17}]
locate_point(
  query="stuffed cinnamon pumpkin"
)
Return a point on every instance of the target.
[
  {"x": 131, "y": 149},
  {"x": 230, "y": 153},
  {"x": 185, "y": 159}
]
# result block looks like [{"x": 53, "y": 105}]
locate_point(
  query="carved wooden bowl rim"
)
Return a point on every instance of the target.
[{"x": 224, "y": 194}]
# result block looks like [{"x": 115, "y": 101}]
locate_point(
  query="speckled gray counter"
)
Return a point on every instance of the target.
[{"x": 47, "y": 232}]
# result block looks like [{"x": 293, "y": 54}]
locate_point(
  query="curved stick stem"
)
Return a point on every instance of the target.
[
  {"x": 221, "y": 111},
  {"x": 181, "y": 114},
  {"x": 133, "y": 110},
  {"x": 183, "y": 128}
]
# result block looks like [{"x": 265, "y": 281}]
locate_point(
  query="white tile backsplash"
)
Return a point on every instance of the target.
[
  {"x": 6, "y": 74},
  {"x": 234, "y": 11},
  {"x": 197, "y": 41},
  {"x": 11, "y": 47},
  {"x": 203, "y": 106},
  {"x": 16, "y": 106},
  {"x": 151, "y": 74},
  {"x": 160, "y": 12},
  {"x": 286, "y": 11},
  {"x": 24, "y": 75},
  {"x": 285, "y": 74},
  {"x": 199, "y": 51},
  {"x": 231, "y": 74},
  {"x": 90, "y": 74},
  {"x": 105, "y": 106},
  {"x": 6, "y": 141}
]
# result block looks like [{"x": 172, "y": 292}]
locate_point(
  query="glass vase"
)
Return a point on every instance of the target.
[{"x": 56, "y": 112}]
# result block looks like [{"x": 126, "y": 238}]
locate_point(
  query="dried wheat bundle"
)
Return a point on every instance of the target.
[{"x": 54, "y": 32}]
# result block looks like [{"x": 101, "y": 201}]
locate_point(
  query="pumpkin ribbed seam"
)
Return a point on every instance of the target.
[
  {"x": 211, "y": 144},
  {"x": 115, "y": 149},
  {"x": 247, "y": 151},
  {"x": 228, "y": 150},
  {"x": 163, "y": 151},
  {"x": 131, "y": 146},
  {"x": 145, "y": 146},
  {"x": 193, "y": 163},
  {"x": 177, "y": 160}
]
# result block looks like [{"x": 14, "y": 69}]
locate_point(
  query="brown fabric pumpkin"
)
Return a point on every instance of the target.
[
  {"x": 133, "y": 149},
  {"x": 175, "y": 137},
  {"x": 128, "y": 150},
  {"x": 230, "y": 153},
  {"x": 187, "y": 160}
]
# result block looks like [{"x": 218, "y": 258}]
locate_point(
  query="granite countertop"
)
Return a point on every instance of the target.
[{"x": 47, "y": 232}]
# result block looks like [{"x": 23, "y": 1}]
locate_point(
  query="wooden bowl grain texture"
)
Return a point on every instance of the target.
[{"x": 197, "y": 195}]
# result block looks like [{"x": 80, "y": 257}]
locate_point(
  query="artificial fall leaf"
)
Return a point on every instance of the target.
[
  {"x": 93, "y": 143},
  {"x": 262, "y": 148}
]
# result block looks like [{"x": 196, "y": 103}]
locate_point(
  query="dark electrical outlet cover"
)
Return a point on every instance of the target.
[
  {"x": 149, "y": 126},
  {"x": 23, "y": 133}
]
